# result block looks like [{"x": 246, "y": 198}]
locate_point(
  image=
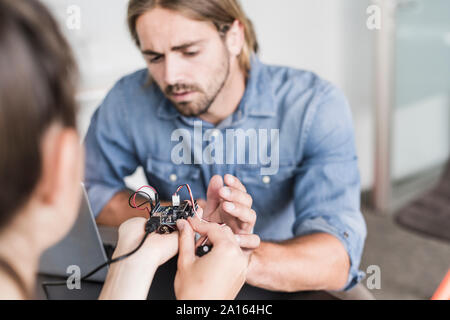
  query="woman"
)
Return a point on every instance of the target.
[{"x": 41, "y": 168}]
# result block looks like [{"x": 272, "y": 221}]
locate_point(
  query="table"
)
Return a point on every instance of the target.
[
  {"x": 162, "y": 285},
  {"x": 161, "y": 290}
]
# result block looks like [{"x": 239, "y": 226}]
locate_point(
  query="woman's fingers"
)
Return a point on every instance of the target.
[
  {"x": 186, "y": 240},
  {"x": 214, "y": 232},
  {"x": 206, "y": 229}
]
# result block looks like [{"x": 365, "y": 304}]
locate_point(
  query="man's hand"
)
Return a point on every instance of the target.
[
  {"x": 229, "y": 204},
  {"x": 117, "y": 211},
  {"x": 218, "y": 275}
]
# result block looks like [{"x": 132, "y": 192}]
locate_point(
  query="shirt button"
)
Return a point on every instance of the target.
[
  {"x": 215, "y": 133},
  {"x": 173, "y": 177},
  {"x": 345, "y": 235},
  {"x": 266, "y": 179}
]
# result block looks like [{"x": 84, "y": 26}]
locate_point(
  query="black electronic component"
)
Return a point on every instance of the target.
[
  {"x": 202, "y": 250},
  {"x": 163, "y": 220}
]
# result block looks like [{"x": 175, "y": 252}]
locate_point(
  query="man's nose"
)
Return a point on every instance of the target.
[{"x": 173, "y": 72}]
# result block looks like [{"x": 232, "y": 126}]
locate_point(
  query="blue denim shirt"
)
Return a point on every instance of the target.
[{"x": 316, "y": 187}]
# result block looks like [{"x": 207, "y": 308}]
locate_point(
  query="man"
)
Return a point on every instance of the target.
[{"x": 203, "y": 81}]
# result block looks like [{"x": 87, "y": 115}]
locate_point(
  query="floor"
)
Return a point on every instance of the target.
[{"x": 411, "y": 265}]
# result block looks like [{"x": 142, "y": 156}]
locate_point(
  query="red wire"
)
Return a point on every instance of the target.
[
  {"x": 178, "y": 189},
  {"x": 195, "y": 211},
  {"x": 190, "y": 195}
]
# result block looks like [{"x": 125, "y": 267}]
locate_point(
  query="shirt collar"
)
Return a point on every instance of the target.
[
  {"x": 258, "y": 99},
  {"x": 166, "y": 110}
]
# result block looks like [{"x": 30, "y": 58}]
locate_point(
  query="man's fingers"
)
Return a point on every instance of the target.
[
  {"x": 212, "y": 195},
  {"x": 236, "y": 196},
  {"x": 201, "y": 203},
  {"x": 248, "y": 241},
  {"x": 234, "y": 182},
  {"x": 243, "y": 213},
  {"x": 186, "y": 240}
]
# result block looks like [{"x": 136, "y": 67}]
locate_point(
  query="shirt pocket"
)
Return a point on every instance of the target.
[
  {"x": 166, "y": 177},
  {"x": 270, "y": 193},
  {"x": 253, "y": 176}
]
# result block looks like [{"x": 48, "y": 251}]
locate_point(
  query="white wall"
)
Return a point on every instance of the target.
[
  {"x": 330, "y": 38},
  {"x": 103, "y": 47}
]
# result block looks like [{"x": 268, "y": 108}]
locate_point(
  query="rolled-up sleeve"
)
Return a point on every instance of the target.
[
  {"x": 327, "y": 184},
  {"x": 110, "y": 154}
]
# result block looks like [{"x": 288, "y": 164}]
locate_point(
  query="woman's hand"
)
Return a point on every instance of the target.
[
  {"x": 218, "y": 275},
  {"x": 157, "y": 248},
  {"x": 131, "y": 278}
]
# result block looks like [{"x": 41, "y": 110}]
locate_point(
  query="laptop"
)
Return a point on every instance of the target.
[{"x": 81, "y": 247}]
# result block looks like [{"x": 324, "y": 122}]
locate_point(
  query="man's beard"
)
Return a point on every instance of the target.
[{"x": 201, "y": 105}]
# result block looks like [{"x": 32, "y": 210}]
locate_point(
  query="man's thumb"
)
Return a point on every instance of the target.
[{"x": 212, "y": 194}]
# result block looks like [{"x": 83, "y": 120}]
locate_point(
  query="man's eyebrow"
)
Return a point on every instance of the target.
[
  {"x": 186, "y": 45},
  {"x": 151, "y": 53},
  {"x": 176, "y": 48}
]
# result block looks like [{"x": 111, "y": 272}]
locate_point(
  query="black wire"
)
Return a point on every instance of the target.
[
  {"x": 144, "y": 203},
  {"x": 116, "y": 259},
  {"x": 150, "y": 200}
]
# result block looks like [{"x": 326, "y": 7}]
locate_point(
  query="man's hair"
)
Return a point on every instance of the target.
[
  {"x": 222, "y": 13},
  {"x": 37, "y": 84}
]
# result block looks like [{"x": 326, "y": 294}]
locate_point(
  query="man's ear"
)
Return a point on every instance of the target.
[
  {"x": 235, "y": 38},
  {"x": 62, "y": 167}
]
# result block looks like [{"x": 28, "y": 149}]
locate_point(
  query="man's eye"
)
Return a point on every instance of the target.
[
  {"x": 156, "y": 59},
  {"x": 191, "y": 53}
]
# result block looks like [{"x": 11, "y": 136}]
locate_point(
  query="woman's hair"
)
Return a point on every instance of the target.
[
  {"x": 222, "y": 13},
  {"x": 37, "y": 89}
]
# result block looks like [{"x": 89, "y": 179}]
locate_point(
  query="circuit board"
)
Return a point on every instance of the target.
[{"x": 163, "y": 219}]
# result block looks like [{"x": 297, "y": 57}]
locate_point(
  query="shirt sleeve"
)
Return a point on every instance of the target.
[
  {"x": 327, "y": 184},
  {"x": 110, "y": 153}
]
